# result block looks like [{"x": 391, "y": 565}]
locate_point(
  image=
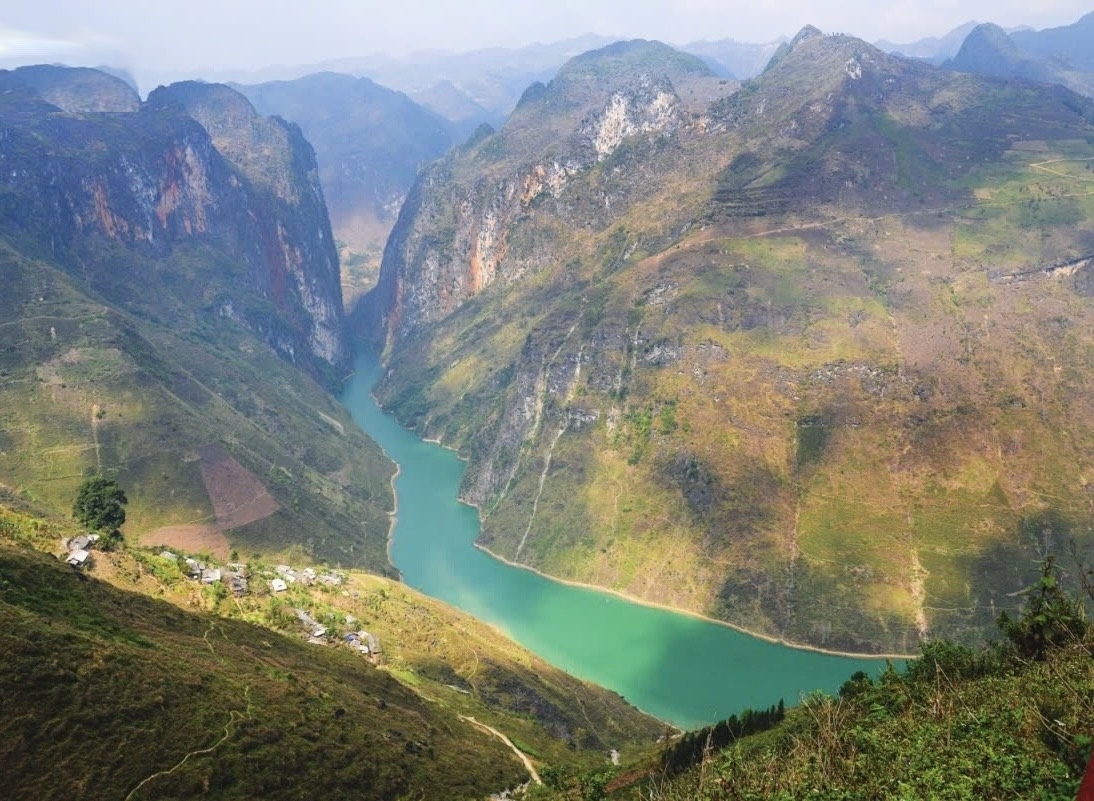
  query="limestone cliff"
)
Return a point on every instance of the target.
[
  {"x": 85, "y": 187},
  {"x": 450, "y": 245},
  {"x": 768, "y": 354}
]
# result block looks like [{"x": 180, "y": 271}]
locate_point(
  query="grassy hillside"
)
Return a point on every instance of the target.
[
  {"x": 110, "y": 687},
  {"x": 1010, "y": 719},
  {"x": 86, "y": 387},
  {"x": 815, "y": 362}
]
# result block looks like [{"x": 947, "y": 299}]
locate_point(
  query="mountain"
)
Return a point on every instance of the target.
[
  {"x": 171, "y": 304},
  {"x": 1068, "y": 45},
  {"x": 807, "y": 356},
  {"x": 78, "y": 89},
  {"x": 369, "y": 142},
  {"x": 732, "y": 59},
  {"x": 1055, "y": 56},
  {"x": 450, "y": 103},
  {"x": 934, "y": 49},
  {"x": 987, "y": 50}
]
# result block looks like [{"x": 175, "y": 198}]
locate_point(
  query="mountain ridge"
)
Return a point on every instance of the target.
[{"x": 574, "y": 322}]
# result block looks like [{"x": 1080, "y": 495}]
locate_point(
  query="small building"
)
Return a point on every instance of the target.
[
  {"x": 78, "y": 557},
  {"x": 168, "y": 555},
  {"x": 79, "y": 543},
  {"x": 210, "y": 575},
  {"x": 237, "y": 584},
  {"x": 277, "y": 585}
]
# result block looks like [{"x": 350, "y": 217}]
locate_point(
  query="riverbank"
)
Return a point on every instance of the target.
[
  {"x": 677, "y": 666},
  {"x": 634, "y": 599}
]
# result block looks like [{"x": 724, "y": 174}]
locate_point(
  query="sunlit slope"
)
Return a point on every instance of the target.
[
  {"x": 111, "y": 695},
  {"x": 87, "y": 388},
  {"x": 136, "y": 647},
  {"x": 815, "y": 362}
]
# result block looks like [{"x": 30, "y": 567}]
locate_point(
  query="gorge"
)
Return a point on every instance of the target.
[{"x": 679, "y": 668}]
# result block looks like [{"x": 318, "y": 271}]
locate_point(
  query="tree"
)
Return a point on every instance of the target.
[
  {"x": 1050, "y": 619},
  {"x": 100, "y": 506}
]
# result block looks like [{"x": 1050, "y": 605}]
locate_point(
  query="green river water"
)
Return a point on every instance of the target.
[{"x": 676, "y": 667}]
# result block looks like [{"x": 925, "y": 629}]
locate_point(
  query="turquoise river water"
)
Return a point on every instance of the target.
[{"x": 676, "y": 667}]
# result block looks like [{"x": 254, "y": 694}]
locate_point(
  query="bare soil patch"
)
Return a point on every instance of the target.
[
  {"x": 237, "y": 495},
  {"x": 197, "y": 538}
]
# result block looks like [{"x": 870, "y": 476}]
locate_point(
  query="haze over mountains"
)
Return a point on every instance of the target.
[{"x": 796, "y": 336}]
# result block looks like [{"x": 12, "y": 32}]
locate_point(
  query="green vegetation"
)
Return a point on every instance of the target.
[
  {"x": 833, "y": 385},
  {"x": 114, "y": 695},
  {"x": 100, "y": 506},
  {"x": 138, "y": 396},
  {"x": 111, "y": 687},
  {"x": 956, "y": 723}
]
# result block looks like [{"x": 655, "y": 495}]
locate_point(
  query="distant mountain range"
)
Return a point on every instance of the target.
[{"x": 370, "y": 142}]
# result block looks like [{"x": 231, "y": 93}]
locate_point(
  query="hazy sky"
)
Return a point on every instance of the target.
[{"x": 204, "y": 35}]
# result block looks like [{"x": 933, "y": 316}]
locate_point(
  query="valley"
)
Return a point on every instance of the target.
[
  {"x": 775, "y": 380},
  {"x": 600, "y": 418}
]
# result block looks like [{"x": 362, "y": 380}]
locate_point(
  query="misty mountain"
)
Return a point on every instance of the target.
[
  {"x": 732, "y": 59},
  {"x": 1056, "y": 56},
  {"x": 370, "y": 142},
  {"x": 934, "y": 49}
]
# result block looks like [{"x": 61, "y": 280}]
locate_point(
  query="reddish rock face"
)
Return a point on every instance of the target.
[{"x": 195, "y": 174}]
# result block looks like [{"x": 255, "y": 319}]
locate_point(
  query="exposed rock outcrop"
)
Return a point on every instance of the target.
[{"x": 196, "y": 169}]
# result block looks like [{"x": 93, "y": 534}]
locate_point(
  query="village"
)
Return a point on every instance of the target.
[{"x": 236, "y": 578}]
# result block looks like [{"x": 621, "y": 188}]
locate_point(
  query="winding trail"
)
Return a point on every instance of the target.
[
  {"x": 491, "y": 730},
  {"x": 235, "y": 716}
]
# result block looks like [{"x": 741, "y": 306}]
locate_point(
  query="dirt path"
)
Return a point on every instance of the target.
[{"x": 520, "y": 754}]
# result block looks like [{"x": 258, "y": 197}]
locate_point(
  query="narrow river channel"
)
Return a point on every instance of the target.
[{"x": 676, "y": 667}]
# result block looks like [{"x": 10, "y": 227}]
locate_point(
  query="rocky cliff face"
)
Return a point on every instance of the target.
[
  {"x": 744, "y": 351},
  {"x": 370, "y": 142},
  {"x": 453, "y": 238},
  {"x": 157, "y": 181}
]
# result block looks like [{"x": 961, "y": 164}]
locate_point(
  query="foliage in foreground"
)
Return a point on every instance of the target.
[
  {"x": 1014, "y": 720},
  {"x": 110, "y": 694}
]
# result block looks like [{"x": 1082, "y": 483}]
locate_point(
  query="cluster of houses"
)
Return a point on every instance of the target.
[
  {"x": 307, "y": 577},
  {"x": 77, "y": 549},
  {"x": 234, "y": 575}
]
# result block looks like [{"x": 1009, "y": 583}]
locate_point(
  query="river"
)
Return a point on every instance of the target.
[{"x": 676, "y": 667}]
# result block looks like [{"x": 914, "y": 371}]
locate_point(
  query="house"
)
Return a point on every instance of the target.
[
  {"x": 79, "y": 543},
  {"x": 168, "y": 555},
  {"x": 210, "y": 575},
  {"x": 330, "y": 580},
  {"x": 78, "y": 557},
  {"x": 237, "y": 583},
  {"x": 277, "y": 585}
]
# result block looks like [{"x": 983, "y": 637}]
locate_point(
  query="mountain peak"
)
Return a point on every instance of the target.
[
  {"x": 808, "y": 32},
  {"x": 78, "y": 89},
  {"x": 989, "y": 50}
]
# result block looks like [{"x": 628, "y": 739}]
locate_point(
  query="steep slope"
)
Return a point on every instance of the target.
[
  {"x": 809, "y": 357},
  {"x": 987, "y": 50},
  {"x": 148, "y": 285},
  {"x": 370, "y": 142},
  {"x": 293, "y": 235},
  {"x": 109, "y": 694},
  {"x": 438, "y": 675}
]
